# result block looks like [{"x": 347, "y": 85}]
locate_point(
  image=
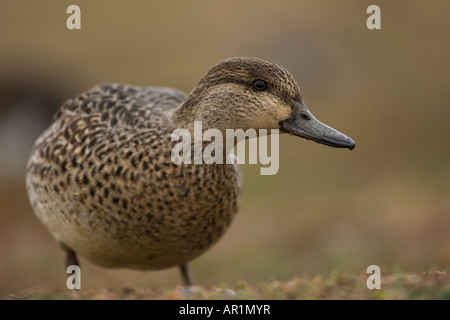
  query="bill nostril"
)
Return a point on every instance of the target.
[{"x": 304, "y": 116}]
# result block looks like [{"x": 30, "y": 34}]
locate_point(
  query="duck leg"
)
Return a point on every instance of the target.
[
  {"x": 71, "y": 258},
  {"x": 186, "y": 274}
]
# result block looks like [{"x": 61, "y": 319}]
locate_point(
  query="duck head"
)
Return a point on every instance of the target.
[{"x": 244, "y": 93}]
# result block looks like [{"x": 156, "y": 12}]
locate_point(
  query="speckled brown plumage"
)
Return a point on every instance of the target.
[{"x": 101, "y": 179}]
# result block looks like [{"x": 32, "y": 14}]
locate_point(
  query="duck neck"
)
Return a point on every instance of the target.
[
  {"x": 192, "y": 109},
  {"x": 183, "y": 117},
  {"x": 188, "y": 118}
]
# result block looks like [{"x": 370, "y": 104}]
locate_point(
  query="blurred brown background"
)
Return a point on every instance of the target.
[{"x": 385, "y": 203}]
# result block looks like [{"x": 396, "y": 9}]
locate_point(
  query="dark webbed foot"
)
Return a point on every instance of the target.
[{"x": 186, "y": 275}]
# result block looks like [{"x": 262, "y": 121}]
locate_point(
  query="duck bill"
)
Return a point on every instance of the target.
[{"x": 302, "y": 123}]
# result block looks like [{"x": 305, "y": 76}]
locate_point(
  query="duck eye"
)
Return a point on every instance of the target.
[{"x": 260, "y": 85}]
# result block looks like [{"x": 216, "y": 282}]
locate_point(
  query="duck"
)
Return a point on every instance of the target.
[{"x": 102, "y": 181}]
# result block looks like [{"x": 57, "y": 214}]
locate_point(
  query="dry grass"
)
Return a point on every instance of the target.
[{"x": 431, "y": 285}]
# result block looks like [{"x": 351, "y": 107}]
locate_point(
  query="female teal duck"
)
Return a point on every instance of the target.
[{"x": 102, "y": 180}]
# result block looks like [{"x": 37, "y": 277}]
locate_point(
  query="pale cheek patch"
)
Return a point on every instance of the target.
[
  {"x": 283, "y": 112},
  {"x": 276, "y": 111},
  {"x": 244, "y": 109},
  {"x": 268, "y": 115}
]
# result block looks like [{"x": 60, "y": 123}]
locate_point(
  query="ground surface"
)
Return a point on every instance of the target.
[{"x": 431, "y": 285}]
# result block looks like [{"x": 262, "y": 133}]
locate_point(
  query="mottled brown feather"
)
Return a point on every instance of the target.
[{"x": 101, "y": 179}]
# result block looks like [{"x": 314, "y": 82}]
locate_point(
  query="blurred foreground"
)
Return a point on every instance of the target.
[{"x": 433, "y": 285}]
